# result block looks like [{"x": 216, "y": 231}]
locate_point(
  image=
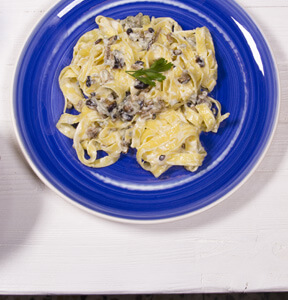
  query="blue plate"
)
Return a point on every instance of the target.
[{"x": 247, "y": 88}]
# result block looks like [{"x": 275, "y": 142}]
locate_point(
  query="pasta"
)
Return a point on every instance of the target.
[{"x": 161, "y": 120}]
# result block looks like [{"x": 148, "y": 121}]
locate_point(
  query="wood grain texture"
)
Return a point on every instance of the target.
[{"x": 50, "y": 246}]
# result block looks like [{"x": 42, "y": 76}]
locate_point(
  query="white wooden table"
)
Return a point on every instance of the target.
[{"x": 49, "y": 246}]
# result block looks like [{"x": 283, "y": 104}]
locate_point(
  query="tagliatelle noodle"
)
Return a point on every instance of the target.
[{"x": 163, "y": 123}]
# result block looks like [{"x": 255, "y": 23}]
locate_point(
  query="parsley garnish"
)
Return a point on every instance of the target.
[{"x": 149, "y": 76}]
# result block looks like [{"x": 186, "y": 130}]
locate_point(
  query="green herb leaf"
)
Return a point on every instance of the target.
[
  {"x": 161, "y": 65},
  {"x": 149, "y": 76},
  {"x": 146, "y": 80}
]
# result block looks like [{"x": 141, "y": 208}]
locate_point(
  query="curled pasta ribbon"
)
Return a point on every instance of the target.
[
  {"x": 167, "y": 141},
  {"x": 203, "y": 117},
  {"x": 106, "y": 138}
]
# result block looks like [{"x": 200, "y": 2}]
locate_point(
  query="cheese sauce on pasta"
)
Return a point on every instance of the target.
[{"x": 116, "y": 111}]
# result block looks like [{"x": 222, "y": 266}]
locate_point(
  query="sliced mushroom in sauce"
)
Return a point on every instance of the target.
[
  {"x": 129, "y": 30},
  {"x": 92, "y": 132},
  {"x": 185, "y": 78},
  {"x": 89, "y": 82},
  {"x": 112, "y": 106},
  {"x": 98, "y": 41},
  {"x": 91, "y": 103},
  {"x": 138, "y": 65},
  {"x": 139, "y": 85},
  {"x": 119, "y": 61},
  {"x": 200, "y": 61}
]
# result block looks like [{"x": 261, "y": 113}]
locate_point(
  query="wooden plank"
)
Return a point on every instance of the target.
[{"x": 49, "y": 246}]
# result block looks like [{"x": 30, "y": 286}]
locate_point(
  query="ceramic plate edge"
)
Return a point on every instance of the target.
[{"x": 135, "y": 221}]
